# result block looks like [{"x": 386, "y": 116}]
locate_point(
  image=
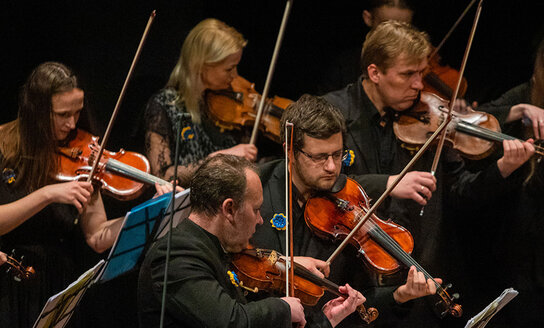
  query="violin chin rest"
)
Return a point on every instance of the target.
[{"x": 339, "y": 184}]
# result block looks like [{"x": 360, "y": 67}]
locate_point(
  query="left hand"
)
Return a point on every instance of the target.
[
  {"x": 3, "y": 258},
  {"x": 317, "y": 267},
  {"x": 416, "y": 286},
  {"x": 339, "y": 308},
  {"x": 533, "y": 114},
  {"x": 164, "y": 189},
  {"x": 515, "y": 155}
]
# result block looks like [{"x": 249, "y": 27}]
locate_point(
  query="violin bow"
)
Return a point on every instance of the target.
[
  {"x": 456, "y": 92},
  {"x": 271, "y": 69},
  {"x": 290, "y": 259},
  {"x": 121, "y": 96},
  {"x": 417, "y": 156},
  {"x": 118, "y": 104},
  {"x": 454, "y": 26}
]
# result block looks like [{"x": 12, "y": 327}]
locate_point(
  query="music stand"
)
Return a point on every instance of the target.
[
  {"x": 482, "y": 318},
  {"x": 59, "y": 308},
  {"x": 141, "y": 226}
]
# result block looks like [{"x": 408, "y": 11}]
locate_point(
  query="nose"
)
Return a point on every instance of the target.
[
  {"x": 260, "y": 220},
  {"x": 418, "y": 82},
  {"x": 71, "y": 122},
  {"x": 330, "y": 165}
]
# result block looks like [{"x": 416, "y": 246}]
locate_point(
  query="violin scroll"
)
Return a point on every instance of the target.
[
  {"x": 367, "y": 315},
  {"x": 446, "y": 304},
  {"x": 17, "y": 269}
]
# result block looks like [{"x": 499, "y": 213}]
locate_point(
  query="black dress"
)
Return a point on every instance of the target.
[{"x": 47, "y": 242}]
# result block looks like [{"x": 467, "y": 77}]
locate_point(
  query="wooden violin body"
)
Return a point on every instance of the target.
[
  {"x": 442, "y": 79},
  {"x": 385, "y": 246},
  {"x": 265, "y": 270},
  {"x": 334, "y": 216},
  {"x": 76, "y": 160},
  {"x": 236, "y": 108},
  {"x": 415, "y": 125},
  {"x": 262, "y": 269}
]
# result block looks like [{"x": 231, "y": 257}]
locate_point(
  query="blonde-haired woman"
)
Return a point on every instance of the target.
[{"x": 208, "y": 60}]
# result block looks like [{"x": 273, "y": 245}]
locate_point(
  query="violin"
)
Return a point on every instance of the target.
[
  {"x": 384, "y": 245},
  {"x": 17, "y": 269},
  {"x": 121, "y": 174},
  {"x": 442, "y": 79},
  {"x": 479, "y": 131},
  {"x": 264, "y": 270},
  {"x": 236, "y": 108}
]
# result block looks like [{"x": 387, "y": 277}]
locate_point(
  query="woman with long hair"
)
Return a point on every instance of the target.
[
  {"x": 37, "y": 214},
  {"x": 208, "y": 60}
]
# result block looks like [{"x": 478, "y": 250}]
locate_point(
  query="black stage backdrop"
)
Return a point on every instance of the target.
[{"x": 99, "y": 38}]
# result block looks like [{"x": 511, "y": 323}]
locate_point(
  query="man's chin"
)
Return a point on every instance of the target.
[{"x": 325, "y": 184}]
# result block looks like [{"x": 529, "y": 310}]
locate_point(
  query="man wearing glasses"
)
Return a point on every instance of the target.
[{"x": 318, "y": 136}]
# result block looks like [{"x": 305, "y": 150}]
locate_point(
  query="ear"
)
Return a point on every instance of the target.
[
  {"x": 228, "y": 210},
  {"x": 373, "y": 73},
  {"x": 367, "y": 18}
]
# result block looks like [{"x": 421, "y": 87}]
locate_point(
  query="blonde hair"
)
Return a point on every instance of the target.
[
  {"x": 209, "y": 42},
  {"x": 391, "y": 39}
]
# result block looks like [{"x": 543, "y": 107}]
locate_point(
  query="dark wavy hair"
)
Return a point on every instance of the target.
[
  {"x": 28, "y": 144},
  {"x": 312, "y": 116},
  {"x": 218, "y": 178}
]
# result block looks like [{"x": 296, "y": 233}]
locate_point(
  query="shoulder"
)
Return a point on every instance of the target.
[
  {"x": 347, "y": 100},
  {"x": 165, "y": 99},
  {"x": 270, "y": 170}
]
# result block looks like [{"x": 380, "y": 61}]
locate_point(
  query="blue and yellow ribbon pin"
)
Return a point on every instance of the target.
[{"x": 279, "y": 221}]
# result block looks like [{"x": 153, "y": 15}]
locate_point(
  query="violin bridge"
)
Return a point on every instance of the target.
[{"x": 273, "y": 257}]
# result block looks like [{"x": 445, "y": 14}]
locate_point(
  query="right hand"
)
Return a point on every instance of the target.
[
  {"x": 297, "y": 311},
  {"x": 317, "y": 267},
  {"x": 248, "y": 151},
  {"x": 415, "y": 185},
  {"x": 77, "y": 193}
]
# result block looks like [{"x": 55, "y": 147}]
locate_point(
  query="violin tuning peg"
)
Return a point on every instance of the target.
[
  {"x": 455, "y": 296},
  {"x": 448, "y": 286}
]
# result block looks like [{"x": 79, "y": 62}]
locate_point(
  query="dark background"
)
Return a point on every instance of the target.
[{"x": 99, "y": 38}]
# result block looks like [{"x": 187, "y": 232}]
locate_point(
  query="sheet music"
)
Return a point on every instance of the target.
[
  {"x": 482, "y": 318},
  {"x": 141, "y": 226},
  {"x": 60, "y": 307},
  {"x": 137, "y": 229},
  {"x": 182, "y": 209}
]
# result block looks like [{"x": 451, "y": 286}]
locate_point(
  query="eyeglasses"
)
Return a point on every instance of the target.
[{"x": 320, "y": 159}]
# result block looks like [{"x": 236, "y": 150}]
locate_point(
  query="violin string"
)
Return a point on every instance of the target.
[
  {"x": 477, "y": 131},
  {"x": 393, "y": 247}
]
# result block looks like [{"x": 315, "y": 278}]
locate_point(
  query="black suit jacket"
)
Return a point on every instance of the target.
[{"x": 200, "y": 293}]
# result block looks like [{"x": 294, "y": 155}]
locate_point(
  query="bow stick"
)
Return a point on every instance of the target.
[
  {"x": 290, "y": 270},
  {"x": 121, "y": 96},
  {"x": 119, "y": 100},
  {"x": 270, "y": 72}
]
